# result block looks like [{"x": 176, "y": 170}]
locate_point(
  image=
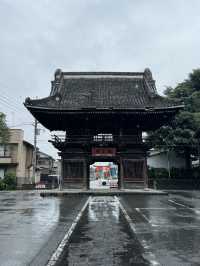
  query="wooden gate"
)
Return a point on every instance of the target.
[{"x": 134, "y": 171}]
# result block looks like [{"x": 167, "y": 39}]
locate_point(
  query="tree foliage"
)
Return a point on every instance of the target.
[
  {"x": 9, "y": 182},
  {"x": 180, "y": 136},
  {"x": 4, "y": 131}
]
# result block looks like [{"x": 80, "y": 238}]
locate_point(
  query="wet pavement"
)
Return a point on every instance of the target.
[
  {"x": 165, "y": 229},
  {"x": 103, "y": 238},
  {"x": 31, "y": 227}
]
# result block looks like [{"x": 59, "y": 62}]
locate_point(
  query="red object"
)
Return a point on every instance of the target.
[
  {"x": 106, "y": 174},
  {"x": 103, "y": 151},
  {"x": 98, "y": 168}
]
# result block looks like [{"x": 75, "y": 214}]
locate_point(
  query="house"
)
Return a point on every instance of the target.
[
  {"x": 45, "y": 167},
  {"x": 164, "y": 159},
  {"x": 45, "y": 163},
  {"x": 16, "y": 157}
]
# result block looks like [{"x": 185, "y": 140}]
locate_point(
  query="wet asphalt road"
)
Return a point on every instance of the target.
[
  {"x": 31, "y": 227},
  {"x": 103, "y": 238},
  {"x": 166, "y": 229}
]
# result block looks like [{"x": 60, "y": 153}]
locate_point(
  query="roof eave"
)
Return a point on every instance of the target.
[{"x": 104, "y": 110}]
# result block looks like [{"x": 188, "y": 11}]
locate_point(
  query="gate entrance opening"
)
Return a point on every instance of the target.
[{"x": 103, "y": 175}]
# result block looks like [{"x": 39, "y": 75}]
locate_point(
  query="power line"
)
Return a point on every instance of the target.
[
  {"x": 17, "y": 107},
  {"x": 6, "y": 92},
  {"x": 10, "y": 99},
  {"x": 22, "y": 124},
  {"x": 12, "y": 108},
  {"x": 8, "y": 105}
]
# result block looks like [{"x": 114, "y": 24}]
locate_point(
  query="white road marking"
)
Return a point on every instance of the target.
[
  {"x": 131, "y": 224},
  {"x": 197, "y": 211},
  {"x": 173, "y": 208},
  {"x": 182, "y": 205},
  {"x": 148, "y": 254},
  {"x": 143, "y": 215},
  {"x": 54, "y": 258}
]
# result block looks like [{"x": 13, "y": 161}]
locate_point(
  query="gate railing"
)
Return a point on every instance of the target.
[{"x": 96, "y": 139}]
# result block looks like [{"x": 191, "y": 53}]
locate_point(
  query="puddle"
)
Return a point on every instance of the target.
[{"x": 103, "y": 238}]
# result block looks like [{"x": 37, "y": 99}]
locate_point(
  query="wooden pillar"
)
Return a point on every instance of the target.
[
  {"x": 87, "y": 174},
  {"x": 145, "y": 173},
  {"x": 121, "y": 174},
  {"x": 61, "y": 172}
]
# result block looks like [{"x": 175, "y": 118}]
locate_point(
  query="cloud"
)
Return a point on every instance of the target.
[{"x": 90, "y": 35}]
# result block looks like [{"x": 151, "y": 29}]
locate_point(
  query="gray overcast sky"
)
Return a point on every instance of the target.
[{"x": 36, "y": 37}]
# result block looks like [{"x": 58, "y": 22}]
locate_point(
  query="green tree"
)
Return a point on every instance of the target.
[
  {"x": 10, "y": 181},
  {"x": 180, "y": 136},
  {"x": 4, "y": 131}
]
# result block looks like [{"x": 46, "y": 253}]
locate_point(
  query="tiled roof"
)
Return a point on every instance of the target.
[{"x": 101, "y": 90}]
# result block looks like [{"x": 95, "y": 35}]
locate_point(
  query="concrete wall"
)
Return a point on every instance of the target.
[
  {"x": 16, "y": 135},
  {"x": 14, "y": 152},
  {"x": 24, "y": 168},
  {"x": 160, "y": 160}
]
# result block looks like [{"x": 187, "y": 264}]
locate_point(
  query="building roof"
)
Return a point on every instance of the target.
[
  {"x": 28, "y": 144},
  {"x": 41, "y": 155},
  {"x": 74, "y": 94},
  {"x": 101, "y": 90}
]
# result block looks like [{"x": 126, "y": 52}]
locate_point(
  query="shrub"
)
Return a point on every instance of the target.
[
  {"x": 175, "y": 173},
  {"x": 10, "y": 181},
  {"x": 155, "y": 173},
  {"x": 196, "y": 172},
  {"x": 2, "y": 184}
]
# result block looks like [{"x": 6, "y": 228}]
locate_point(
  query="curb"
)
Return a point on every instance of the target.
[
  {"x": 99, "y": 193},
  {"x": 57, "y": 253},
  {"x": 147, "y": 254}
]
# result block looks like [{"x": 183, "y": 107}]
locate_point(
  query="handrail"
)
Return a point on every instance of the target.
[{"x": 95, "y": 139}]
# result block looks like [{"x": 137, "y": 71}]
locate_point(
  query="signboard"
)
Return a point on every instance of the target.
[
  {"x": 40, "y": 186},
  {"x": 103, "y": 151}
]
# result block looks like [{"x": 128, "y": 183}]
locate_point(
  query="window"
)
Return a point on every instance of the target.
[{"x": 4, "y": 150}]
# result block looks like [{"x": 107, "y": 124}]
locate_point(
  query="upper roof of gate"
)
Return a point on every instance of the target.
[{"x": 102, "y": 90}]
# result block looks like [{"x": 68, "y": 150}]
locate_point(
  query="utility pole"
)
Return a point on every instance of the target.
[
  {"x": 168, "y": 160},
  {"x": 168, "y": 163},
  {"x": 198, "y": 141},
  {"x": 35, "y": 151}
]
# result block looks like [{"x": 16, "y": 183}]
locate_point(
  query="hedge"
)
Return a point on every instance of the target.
[{"x": 8, "y": 182}]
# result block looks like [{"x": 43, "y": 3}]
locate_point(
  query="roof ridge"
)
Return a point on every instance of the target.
[{"x": 101, "y": 73}]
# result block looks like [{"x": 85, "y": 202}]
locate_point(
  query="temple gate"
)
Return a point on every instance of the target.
[{"x": 103, "y": 115}]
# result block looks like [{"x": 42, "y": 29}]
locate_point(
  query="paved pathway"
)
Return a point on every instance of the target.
[
  {"x": 103, "y": 238},
  {"x": 31, "y": 227},
  {"x": 168, "y": 227}
]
